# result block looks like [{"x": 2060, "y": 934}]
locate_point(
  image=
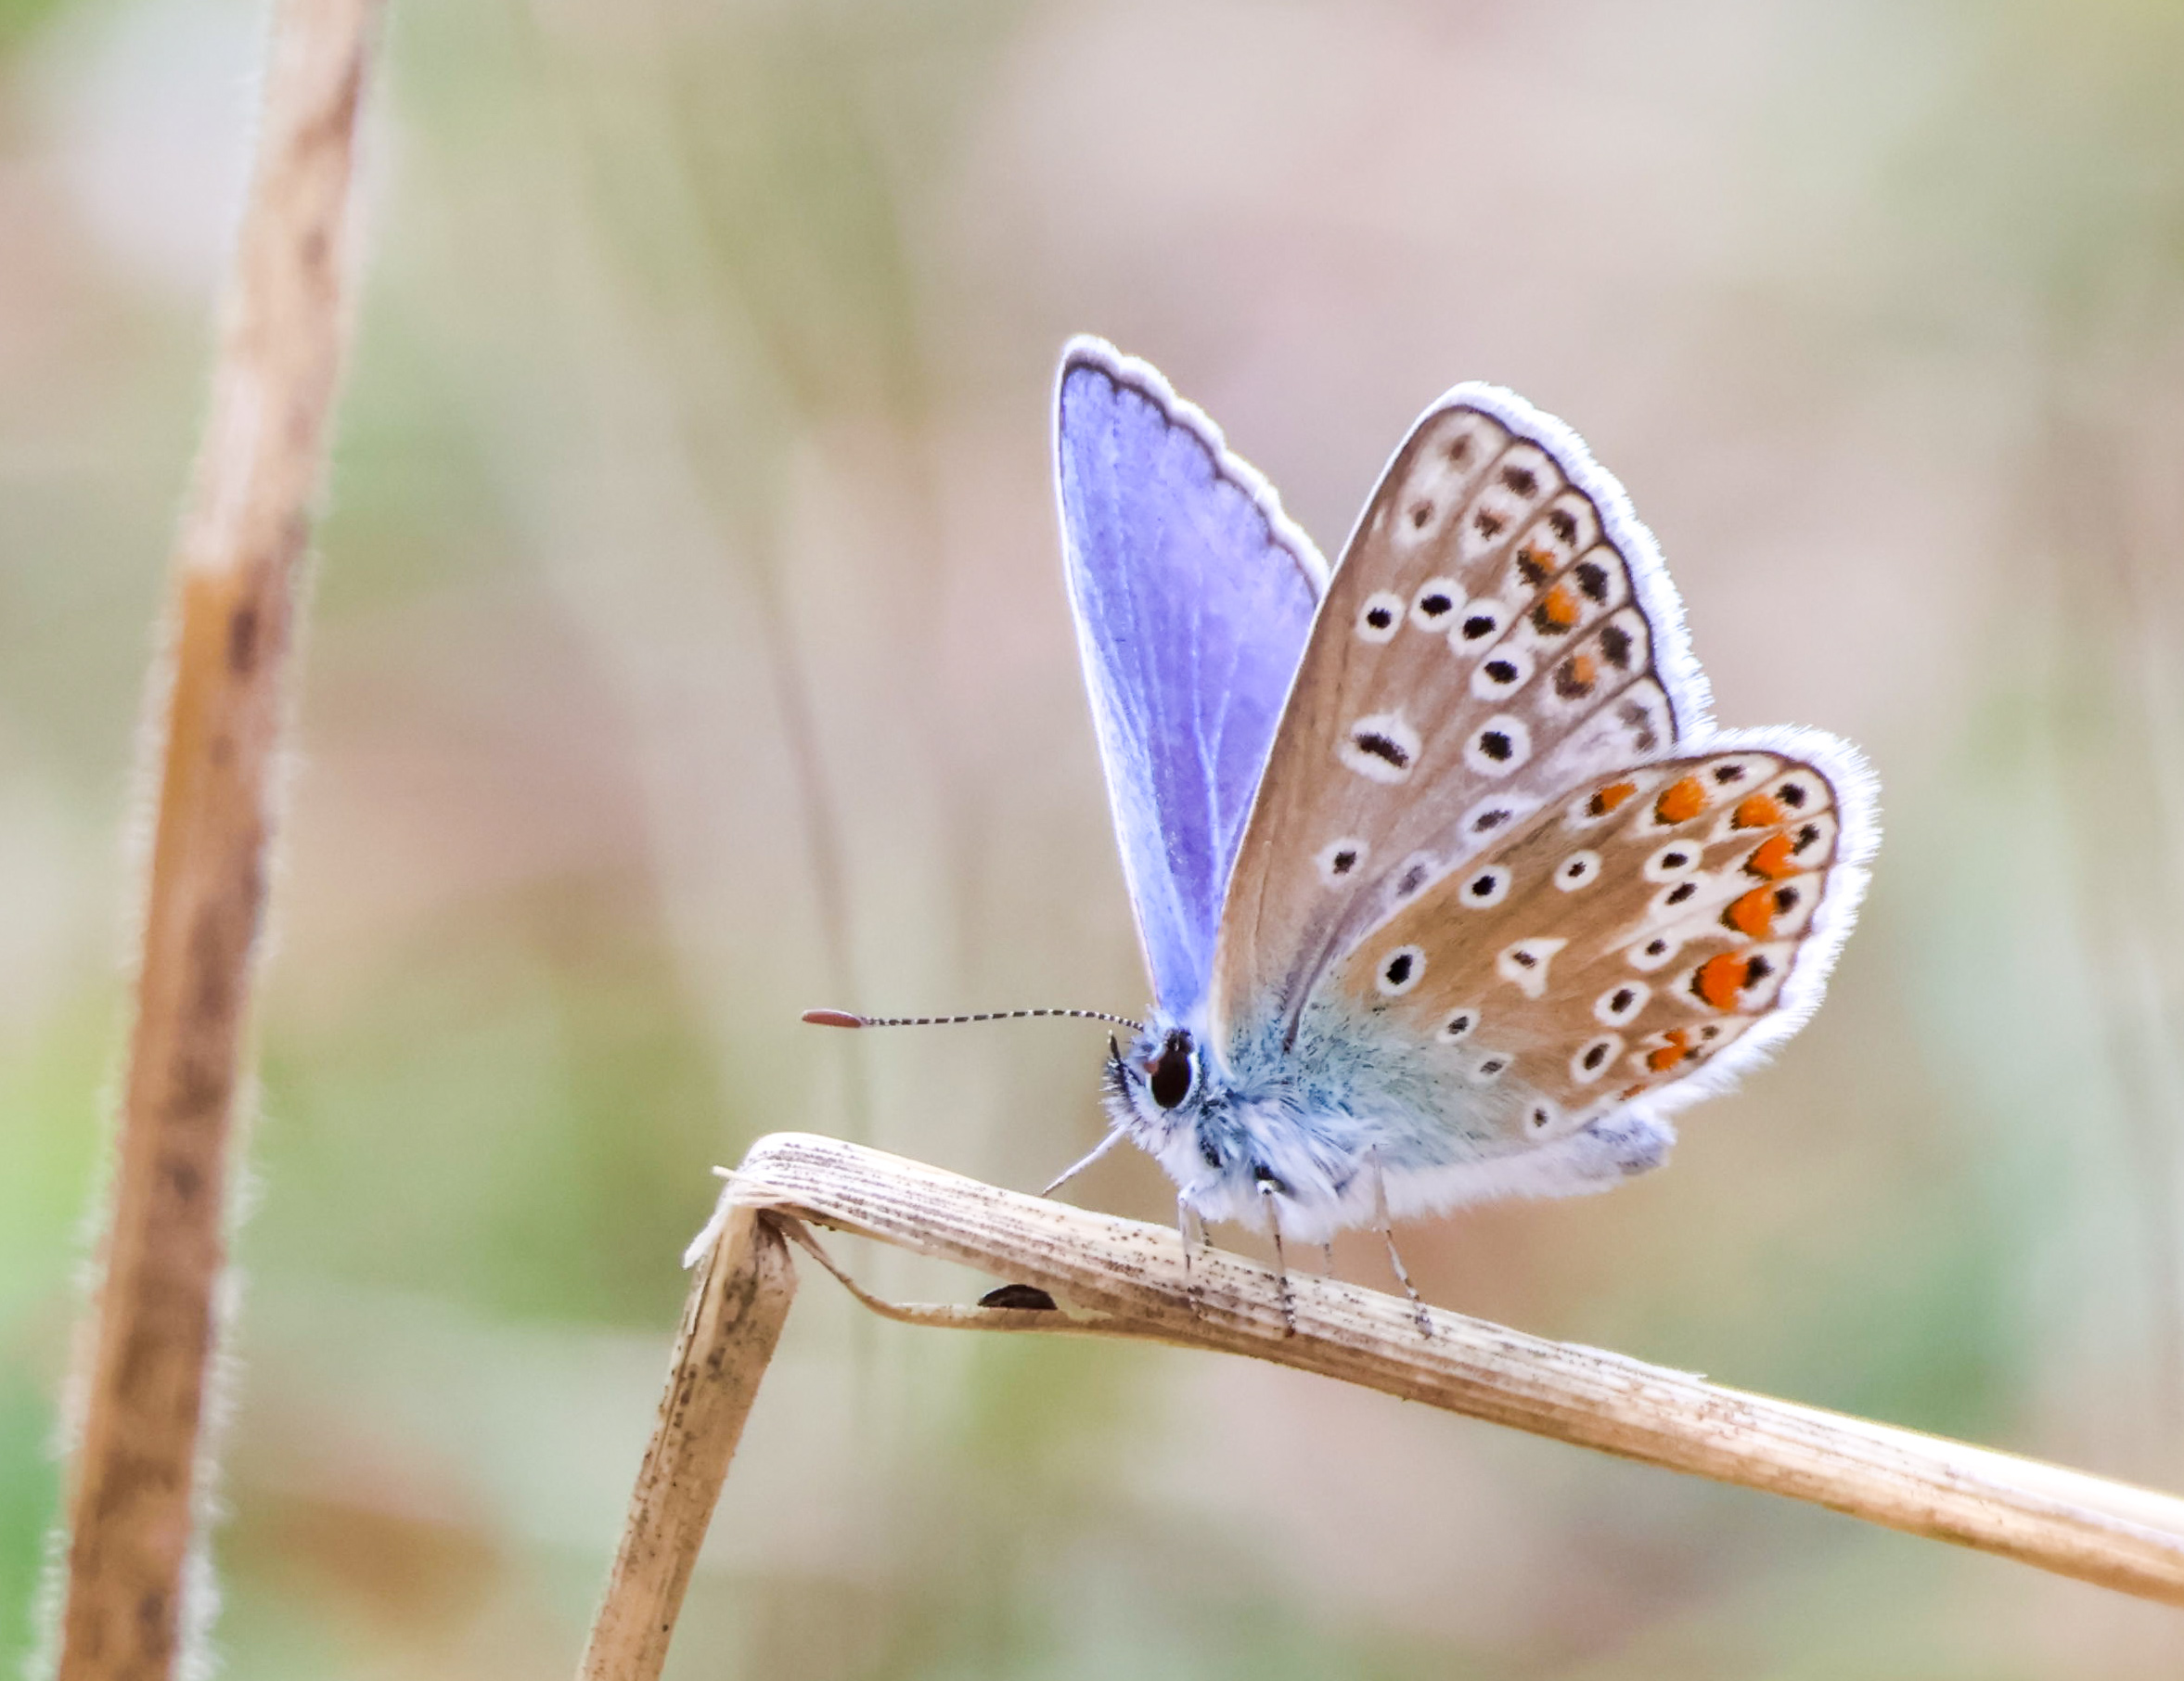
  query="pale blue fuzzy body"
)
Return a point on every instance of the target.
[{"x": 1318, "y": 1127}]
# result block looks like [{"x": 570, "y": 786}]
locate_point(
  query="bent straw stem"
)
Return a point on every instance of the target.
[
  {"x": 1124, "y": 1279},
  {"x": 1132, "y": 1273},
  {"x": 738, "y": 1301}
]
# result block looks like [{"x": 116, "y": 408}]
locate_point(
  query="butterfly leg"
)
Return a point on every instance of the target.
[
  {"x": 1281, "y": 1266},
  {"x": 1192, "y": 1230},
  {"x": 1113, "y": 1137},
  {"x": 1387, "y": 1230}
]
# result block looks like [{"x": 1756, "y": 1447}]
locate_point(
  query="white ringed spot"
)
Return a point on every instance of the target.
[
  {"x": 1488, "y": 888},
  {"x": 1504, "y": 671},
  {"x": 1523, "y": 964},
  {"x": 1802, "y": 791},
  {"x": 1596, "y": 1059},
  {"x": 1416, "y": 871},
  {"x": 1621, "y": 1002},
  {"x": 1381, "y": 748},
  {"x": 1499, "y": 745},
  {"x": 1491, "y": 1067},
  {"x": 1477, "y": 625},
  {"x": 1668, "y": 904},
  {"x": 1741, "y": 773},
  {"x": 1461, "y": 1024},
  {"x": 1672, "y": 862},
  {"x": 1338, "y": 860},
  {"x": 1381, "y": 617},
  {"x": 1543, "y": 1114},
  {"x": 1579, "y": 870},
  {"x": 1437, "y": 598},
  {"x": 1400, "y": 971},
  {"x": 1496, "y": 814},
  {"x": 1649, "y": 955},
  {"x": 1419, "y": 511}
]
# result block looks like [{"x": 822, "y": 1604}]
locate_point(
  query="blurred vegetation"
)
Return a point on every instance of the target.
[{"x": 688, "y": 649}]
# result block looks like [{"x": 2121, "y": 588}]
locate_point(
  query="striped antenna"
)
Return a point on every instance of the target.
[{"x": 842, "y": 1017}]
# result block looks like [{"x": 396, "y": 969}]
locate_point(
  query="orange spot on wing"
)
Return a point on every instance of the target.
[
  {"x": 1754, "y": 914},
  {"x": 1628, "y": 1092},
  {"x": 1681, "y": 801},
  {"x": 1667, "y": 1056},
  {"x": 1770, "y": 859},
  {"x": 1561, "y": 605},
  {"x": 1609, "y": 797},
  {"x": 1758, "y": 811},
  {"x": 1720, "y": 978}
]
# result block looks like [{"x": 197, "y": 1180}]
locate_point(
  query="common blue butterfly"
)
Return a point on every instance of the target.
[{"x": 1448, "y": 885}]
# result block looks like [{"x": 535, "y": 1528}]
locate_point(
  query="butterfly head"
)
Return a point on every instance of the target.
[
  {"x": 1177, "y": 1100},
  {"x": 1154, "y": 1084}
]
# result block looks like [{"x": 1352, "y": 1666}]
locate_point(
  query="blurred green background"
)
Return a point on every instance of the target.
[{"x": 690, "y": 649}]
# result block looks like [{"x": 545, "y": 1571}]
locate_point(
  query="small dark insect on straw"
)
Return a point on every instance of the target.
[
  {"x": 842, "y": 1017},
  {"x": 1020, "y": 1296}
]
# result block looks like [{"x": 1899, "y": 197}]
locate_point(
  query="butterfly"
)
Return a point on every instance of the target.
[{"x": 1447, "y": 886}]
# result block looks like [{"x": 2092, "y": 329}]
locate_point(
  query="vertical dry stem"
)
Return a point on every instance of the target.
[
  {"x": 132, "y": 1509},
  {"x": 736, "y": 1306}
]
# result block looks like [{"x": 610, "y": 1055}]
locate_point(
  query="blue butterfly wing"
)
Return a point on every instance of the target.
[{"x": 1193, "y": 595}]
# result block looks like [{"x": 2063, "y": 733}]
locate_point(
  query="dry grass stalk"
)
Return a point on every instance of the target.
[
  {"x": 737, "y": 1304},
  {"x": 1124, "y": 1279},
  {"x": 132, "y": 1505}
]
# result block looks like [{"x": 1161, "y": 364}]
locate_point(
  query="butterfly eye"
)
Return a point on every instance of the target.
[
  {"x": 1379, "y": 618},
  {"x": 1170, "y": 1073}
]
